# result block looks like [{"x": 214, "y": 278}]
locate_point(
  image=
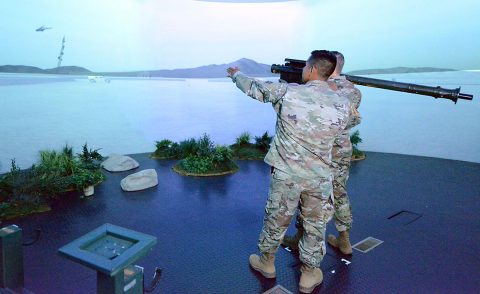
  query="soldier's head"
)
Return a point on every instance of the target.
[
  {"x": 319, "y": 66},
  {"x": 340, "y": 63}
]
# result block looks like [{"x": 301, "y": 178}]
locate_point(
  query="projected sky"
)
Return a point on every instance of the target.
[
  {"x": 245, "y": 1},
  {"x": 121, "y": 35}
]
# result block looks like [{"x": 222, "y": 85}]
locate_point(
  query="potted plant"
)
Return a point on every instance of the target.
[{"x": 85, "y": 180}]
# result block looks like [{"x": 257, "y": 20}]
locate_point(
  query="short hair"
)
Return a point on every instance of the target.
[
  {"x": 340, "y": 60},
  {"x": 324, "y": 61}
]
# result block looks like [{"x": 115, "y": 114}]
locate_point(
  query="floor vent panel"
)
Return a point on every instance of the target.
[
  {"x": 278, "y": 289},
  {"x": 367, "y": 244}
]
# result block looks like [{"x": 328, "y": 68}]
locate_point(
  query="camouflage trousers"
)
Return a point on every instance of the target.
[
  {"x": 286, "y": 194},
  {"x": 341, "y": 158}
]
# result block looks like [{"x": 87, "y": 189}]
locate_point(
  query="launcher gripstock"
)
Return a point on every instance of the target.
[{"x": 291, "y": 72}]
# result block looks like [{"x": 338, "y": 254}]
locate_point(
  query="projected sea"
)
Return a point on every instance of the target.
[{"x": 127, "y": 115}]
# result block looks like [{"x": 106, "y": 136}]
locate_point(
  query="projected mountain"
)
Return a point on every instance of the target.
[
  {"x": 247, "y": 66},
  {"x": 66, "y": 70}
]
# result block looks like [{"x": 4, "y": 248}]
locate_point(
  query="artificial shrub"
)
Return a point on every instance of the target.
[{"x": 203, "y": 157}]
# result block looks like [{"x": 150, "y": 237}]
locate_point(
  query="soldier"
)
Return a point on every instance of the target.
[
  {"x": 341, "y": 157},
  {"x": 309, "y": 118}
]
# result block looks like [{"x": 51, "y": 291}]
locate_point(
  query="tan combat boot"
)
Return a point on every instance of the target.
[
  {"x": 342, "y": 242},
  {"x": 292, "y": 241},
  {"x": 311, "y": 277},
  {"x": 264, "y": 264}
]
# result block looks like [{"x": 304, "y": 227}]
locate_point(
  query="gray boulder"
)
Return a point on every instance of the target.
[
  {"x": 119, "y": 163},
  {"x": 140, "y": 181}
]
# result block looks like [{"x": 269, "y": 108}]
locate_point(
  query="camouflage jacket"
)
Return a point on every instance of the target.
[
  {"x": 347, "y": 89},
  {"x": 309, "y": 117}
]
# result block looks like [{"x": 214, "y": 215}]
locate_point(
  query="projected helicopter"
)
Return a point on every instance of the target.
[{"x": 43, "y": 28}]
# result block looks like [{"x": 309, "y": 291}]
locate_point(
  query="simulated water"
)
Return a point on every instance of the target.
[{"x": 128, "y": 115}]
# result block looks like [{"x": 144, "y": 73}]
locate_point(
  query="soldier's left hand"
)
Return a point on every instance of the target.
[{"x": 232, "y": 70}]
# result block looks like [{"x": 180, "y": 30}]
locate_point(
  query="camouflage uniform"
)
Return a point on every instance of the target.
[
  {"x": 341, "y": 156},
  {"x": 309, "y": 117}
]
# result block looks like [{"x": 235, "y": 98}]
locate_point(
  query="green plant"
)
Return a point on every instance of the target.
[
  {"x": 355, "y": 138},
  {"x": 29, "y": 182},
  {"x": 187, "y": 148},
  {"x": 44, "y": 184},
  {"x": 163, "y": 146},
  {"x": 67, "y": 151},
  {"x": 5, "y": 188},
  {"x": 244, "y": 150},
  {"x": 22, "y": 205},
  {"x": 10, "y": 182},
  {"x": 57, "y": 163},
  {"x": 14, "y": 168},
  {"x": 191, "y": 147},
  {"x": 203, "y": 157},
  {"x": 243, "y": 139},
  {"x": 4, "y": 206},
  {"x": 58, "y": 172},
  {"x": 357, "y": 154},
  {"x": 248, "y": 153},
  {"x": 263, "y": 142},
  {"x": 167, "y": 149},
  {"x": 83, "y": 178},
  {"x": 199, "y": 165},
  {"x": 89, "y": 158},
  {"x": 221, "y": 154},
  {"x": 205, "y": 146},
  {"x": 218, "y": 161},
  {"x": 26, "y": 191}
]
